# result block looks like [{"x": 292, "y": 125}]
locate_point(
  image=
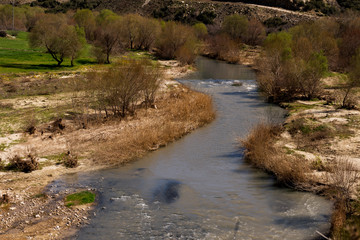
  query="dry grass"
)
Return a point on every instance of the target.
[
  {"x": 260, "y": 151},
  {"x": 177, "y": 114},
  {"x": 343, "y": 179}
]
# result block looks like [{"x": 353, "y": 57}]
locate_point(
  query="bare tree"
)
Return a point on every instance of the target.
[{"x": 123, "y": 86}]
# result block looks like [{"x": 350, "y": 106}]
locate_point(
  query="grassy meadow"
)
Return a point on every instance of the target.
[{"x": 16, "y": 56}]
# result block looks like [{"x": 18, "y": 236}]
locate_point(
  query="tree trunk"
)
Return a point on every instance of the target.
[
  {"x": 59, "y": 62},
  {"x": 107, "y": 58}
]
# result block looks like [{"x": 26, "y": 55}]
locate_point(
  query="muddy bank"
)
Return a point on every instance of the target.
[{"x": 34, "y": 212}]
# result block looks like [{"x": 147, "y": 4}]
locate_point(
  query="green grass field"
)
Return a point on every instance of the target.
[{"x": 16, "y": 56}]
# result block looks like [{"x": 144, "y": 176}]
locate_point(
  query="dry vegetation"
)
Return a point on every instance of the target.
[
  {"x": 315, "y": 150},
  {"x": 78, "y": 137},
  {"x": 262, "y": 152}
]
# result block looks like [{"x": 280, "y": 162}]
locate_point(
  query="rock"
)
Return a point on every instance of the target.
[{"x": 37, "y": 216}]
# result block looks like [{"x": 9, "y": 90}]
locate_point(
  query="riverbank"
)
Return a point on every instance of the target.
[
  {"x": 33, "y": 212},
  {"x": 316, "y": 149}
]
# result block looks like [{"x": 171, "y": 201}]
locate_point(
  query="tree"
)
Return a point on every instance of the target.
[
  {"x": 309, "y": 38},
  {"x": 148, "y": 32},
  {"x": 255, "y": 32},
  {"x": 353, "y": 80},
  {"x": 200, "y": 30},
  {"x": 86, "y": 19},
  {"x": 173, "y": 36},
  {"x": 74, "y": 41},
  {"x": 275, "y": 65},
  {"x": 235, "y": 26},
  {"x": 350, "y": 41},
  {"x": 314, "y": 70},
  {"x": 60, "y": 39},
  {"x": 33, "y": 14},
  {"x": 6, "y": 17},
  {"x": 107, "y": 34},
  {"x": 122, "y": 86},
  {"x": 130, "y": 29}
]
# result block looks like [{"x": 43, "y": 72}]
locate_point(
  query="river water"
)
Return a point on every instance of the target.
[{"x": 199, "y": 187}]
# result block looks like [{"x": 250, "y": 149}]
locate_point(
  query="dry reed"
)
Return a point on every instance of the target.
[
  {"x": 260, "y": 151},
  {"x": 177, "y": 114}
]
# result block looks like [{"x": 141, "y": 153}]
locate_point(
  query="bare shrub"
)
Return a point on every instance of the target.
[
  {"x": 70, "y": 160},
  {"x": 30, "y": 125},
  {"x": 4, "y": 199},
  {"x": 119, "y": 89},
  {"x": 255, "y": 33},
  {"x": 186, "y": 54},
  {"x": 343, "y": 180},
  {"x": 260, "y": 151},
  {"x": 222, "y": 47},
  {"x": 172, "y": 37},
  {"x": 28, "y": 164}
]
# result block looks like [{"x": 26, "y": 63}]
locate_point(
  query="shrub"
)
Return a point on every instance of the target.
[
  {"x": 235, "y": 26},
  {"x": 70, "y": 161},
  {"x": 186, "y": 54},
  {"x": 2, "y": 34},
  {"x": 200, "y": 30},
  {"x": 274, "y": 22},
  {"x": 119, "y": 89},
  {"x": 29, "y": 164},
  {"x": 4, "y": 199},
  {"x": 30, "y": 125},
  {"x": 260, "y": 151},
  {"x": 174, "y": 36},
  {"x": 224, "y": 48},
  {"x": 255, "y": 33},
  {"x": 206, "y": 17}
]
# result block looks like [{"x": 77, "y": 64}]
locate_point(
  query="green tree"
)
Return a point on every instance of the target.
[
  {"x": 86, "y": 19},
  {"x": 353, "y": 80},
  {"x": 200, "y": 30},
  {"x": 107, "y": 34},
  {"x": 314, "y": 70},
  {"x": 60, "y": 39},
  {"x": 235, "y": 26}
]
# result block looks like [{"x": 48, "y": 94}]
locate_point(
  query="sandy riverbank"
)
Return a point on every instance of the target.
[{"x": 34, "y": 213}]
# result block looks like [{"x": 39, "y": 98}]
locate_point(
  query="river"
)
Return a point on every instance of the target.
[{"x": 200, "y": 187}]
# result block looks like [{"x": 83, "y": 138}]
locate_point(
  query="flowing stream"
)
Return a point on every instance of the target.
[{"x": 199, "y": 187}]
